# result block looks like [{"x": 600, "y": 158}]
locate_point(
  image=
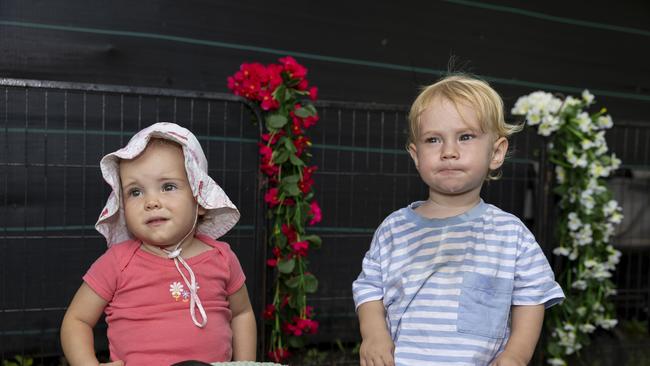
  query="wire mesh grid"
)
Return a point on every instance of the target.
[
  {"x": 53, "y": 136},
  {"x": 52, "y": 139}
]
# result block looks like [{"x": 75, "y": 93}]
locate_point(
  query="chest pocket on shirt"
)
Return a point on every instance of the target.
[{"x": 484, "y": 305}]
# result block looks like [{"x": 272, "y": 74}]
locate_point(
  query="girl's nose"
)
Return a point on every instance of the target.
[{"x": 152, "y": 204}]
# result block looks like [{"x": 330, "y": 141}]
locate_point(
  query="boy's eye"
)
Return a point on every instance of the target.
[
  {"x": 432, "y": 140},
  {"x": 168, "y": 187},
  {"x": 466, "y": 137},
  {"x": 134, "y": 192}
]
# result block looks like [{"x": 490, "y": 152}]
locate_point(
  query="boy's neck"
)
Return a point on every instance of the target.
[{"x": 440, "y": 207}]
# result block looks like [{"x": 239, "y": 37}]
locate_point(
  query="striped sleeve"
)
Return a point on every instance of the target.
[
  {"x": 534, "y": 281},
  {"x": 369, "y": 285}
]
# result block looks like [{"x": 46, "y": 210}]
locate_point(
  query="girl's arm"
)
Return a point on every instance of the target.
[
  {"x": 526, "y": 326},
  {"x": 77, "y": 327},
  {"x": 244, "y": 329}
]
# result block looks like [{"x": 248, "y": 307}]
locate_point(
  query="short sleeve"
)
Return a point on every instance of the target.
[
  {"x": 534, "y": 281},
  {"x": 103, "y": 274},
  {"x": 237, "y": 278},
  {"x": 369, "y": 285}
]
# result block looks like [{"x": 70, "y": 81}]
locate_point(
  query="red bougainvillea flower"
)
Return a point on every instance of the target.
[
  {"x": 274, "y": 73},
  {"x": 289, "y": 232},
  {"x": 302, "y": 85},
  {"x": 271, "y": 197},
  {"x": 301, "y": 143},
  {"x": 269, "y": 312},
  {"x": 293, "y": 69},
  {"x": 268, "y": 102},
  {"x": 300, "y": 248},
  {"x": 315, "y": 213},
  {"x": 309, "y": 121},
  {"x": 272, "y": 262},
  {"x": 288, "y": 202},
  {"x": 273, "y": 137},
  {"x": 279, "y": 354},
  {"x": 309, "y": 311},
  {"x": 300, "y": 326},
  {"x": 313, "y": 93},
  {"x": 285, "y": 301}
]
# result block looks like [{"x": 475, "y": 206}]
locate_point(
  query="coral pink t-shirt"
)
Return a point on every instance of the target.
[{"x": 148, "y": 315}]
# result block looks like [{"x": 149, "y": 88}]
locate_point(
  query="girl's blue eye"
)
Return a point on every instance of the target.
[
  {"x": 169, "y": 187},
  {"x": 466, "y": 137},
  {"x": 134, "y": 192}
]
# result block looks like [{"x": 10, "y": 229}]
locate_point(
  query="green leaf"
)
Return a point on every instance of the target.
[
  {"x": 296, "y": 160},
  {"x": 276, "y": 120},
  {"x": 311, "y": 283},
  {"x": 292, "y": 282},
  {"x": 279, "y": 93},
  {"x": 315, "y": 240},
  {"x": 291, "y": 179},
  {"x": 291, "y": 189},
  {"x": 288, "y": 143},
  {"x": 296, "y": 342},
  {"x": 286, "y": 266},
  {"x": 302, "y": 112},
  {"x": 310, "y": 107},
  {"x": 280, "y": 156}
]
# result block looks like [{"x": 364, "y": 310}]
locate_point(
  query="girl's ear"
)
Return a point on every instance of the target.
[
  {"x": 200, "y": 210},
  {"x": 499, "y": 150}
]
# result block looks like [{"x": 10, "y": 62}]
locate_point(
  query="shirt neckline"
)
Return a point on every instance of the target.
[{"x": 469, "y": 215}]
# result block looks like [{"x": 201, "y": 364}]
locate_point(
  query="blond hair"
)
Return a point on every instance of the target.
[
  {"x": 468, "y": 90},
  {"x": 460, "y": 88}
]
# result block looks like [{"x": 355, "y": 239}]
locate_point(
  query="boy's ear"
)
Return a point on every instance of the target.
[
  {"x": 413, "y": 151},
  {"x": 499, "y": 150}
]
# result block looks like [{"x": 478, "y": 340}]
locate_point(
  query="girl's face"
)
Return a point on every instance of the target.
[
  {"x": 451, "y": 153},
  {"x": 158, "y": 204}
]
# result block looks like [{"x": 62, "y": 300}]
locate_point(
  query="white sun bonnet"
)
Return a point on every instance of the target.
[{"x": 221, "y": 214}]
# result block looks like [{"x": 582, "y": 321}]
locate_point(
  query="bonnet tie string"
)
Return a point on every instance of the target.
[{"x": 195, "y": 302}]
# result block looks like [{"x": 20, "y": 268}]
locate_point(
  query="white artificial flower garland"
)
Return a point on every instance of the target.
[{"x": 588, "y": 215}]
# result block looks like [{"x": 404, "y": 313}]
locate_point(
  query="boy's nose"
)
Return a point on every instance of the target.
[{"x": 449, "y": 151}]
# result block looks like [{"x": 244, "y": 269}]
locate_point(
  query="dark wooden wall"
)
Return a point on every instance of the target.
[{"x": 377, "y": 51}]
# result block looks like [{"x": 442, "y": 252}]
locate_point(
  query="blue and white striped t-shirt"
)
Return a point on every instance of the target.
[{"x": 448, "y": 284}]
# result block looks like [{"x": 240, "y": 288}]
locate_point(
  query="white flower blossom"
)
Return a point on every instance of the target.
[
  {"x": 610, "y": 207},
  {"x": 581, "y": 311},
  {"x": 606, "y": 323},
  {"x": 605, "y": 122},
  {"x": 579, "y": 285},
  {"x": 587, "y": 200},
  {"x": 561, "y": 251},
  {"x": 584, "y": 122},
  {"x": 596, "y": 170},
  {"x": 574, "y": 160},
  {"x": 587, "y": 328},
  {"x": 556, "y": 362},
  {"x": 560, "y": 174},
  {"x": 574, "y": 221},
  {"x": 587, "y": 97}
]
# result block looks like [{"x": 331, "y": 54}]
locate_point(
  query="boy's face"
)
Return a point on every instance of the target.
[
  {"x": 451, "y": 153},
  {"x": 158, "y": 204}
]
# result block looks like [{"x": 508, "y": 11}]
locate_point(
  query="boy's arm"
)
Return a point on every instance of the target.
[
  {"x": 376, "y": 344},
  {"x": 244, "y": 329},
  {"x": 77, "y": 327},
  {"x": 526, "y": 326}
]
